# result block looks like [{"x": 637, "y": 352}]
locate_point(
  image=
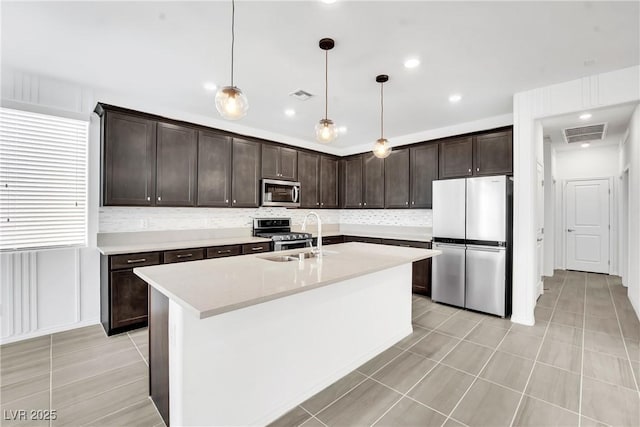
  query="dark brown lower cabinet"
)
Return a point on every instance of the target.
[
  {"x": 254, "y": 248},
  {"x": 159, "y": 352},
  {"x": 224, "y": 251},
  {"x": 375, "y": 240}
]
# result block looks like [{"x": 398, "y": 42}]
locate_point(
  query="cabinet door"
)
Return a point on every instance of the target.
[
  {"x": 421, "y": 277},
  {"x": 128, "y": 299},
  {"x": 246, "y": 174},
  {"x": 270, "y": 154},
  {"x": 396, "y": 179},
  {"x": 176, "y": 165},
  {"x": 309, "y": 167},
  {"x": 328, "y": 182},
  {"x": 129, "y": 160},
  {"x": 493, "y": 154},
  {"x": 424, "y": 170},
  {"x": 288, "y": 163},
  {"x": 353, "y": 182},
  {"x": 373, "y": 189},
  {"x": 214, "y": 169},
  {"x": 456, "y": 158}
]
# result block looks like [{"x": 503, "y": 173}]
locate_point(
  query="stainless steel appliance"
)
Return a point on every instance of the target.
[
  {"x": 279, "y": 231},
  {"x": 280, "y": 193},
  {"x": 472, "y": 226}
]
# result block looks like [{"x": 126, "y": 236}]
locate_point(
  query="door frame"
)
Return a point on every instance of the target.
[{"x": 562, "y": 226}]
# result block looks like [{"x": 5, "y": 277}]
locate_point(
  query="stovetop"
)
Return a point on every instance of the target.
[{"x": 285, "y": 236}]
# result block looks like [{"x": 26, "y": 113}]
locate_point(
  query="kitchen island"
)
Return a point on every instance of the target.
[{"x": 240, "y": 341}]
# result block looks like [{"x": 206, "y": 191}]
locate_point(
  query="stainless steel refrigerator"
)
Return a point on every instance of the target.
[{"x": 472, "y": 226}]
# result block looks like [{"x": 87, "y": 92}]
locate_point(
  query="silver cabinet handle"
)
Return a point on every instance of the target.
[
  {"x": 317, "y": 203},
  {"x": 406, "y": 203},
  {"x": 322, "y": 204},
  {"x": 234, "y": 201},
  {"x": 360, "y": 204},
  {"x": 365, "y": 203},
  {"x": 148, "y": 198},
  {"x": 413, "y": 203},
  {"x": 133, "y": 261},
  {"x": 477, "y": 169},
  {"x": 159, "y": 198},
  {"x": 226, "y": 200},
  {"x": 259, "y": 248},
  {"x": 570, "y": 230},
  {"x": 469, "y": 170},
  {"x": 228, "y": 251},
  {"x": 184, "y": 255}
]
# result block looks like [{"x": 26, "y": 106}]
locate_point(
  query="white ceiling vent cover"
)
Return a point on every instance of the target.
[
  {"x": 301, "y": 95},
  {"x": 585, "y": 133}
]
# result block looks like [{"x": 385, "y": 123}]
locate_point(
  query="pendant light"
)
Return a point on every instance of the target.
[
  {"x": 326, "y": 130},
  {"x": 231, "y": 103},
  {"x": 381, "y": 147}
]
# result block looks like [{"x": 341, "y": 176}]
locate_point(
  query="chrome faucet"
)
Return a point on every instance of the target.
[{"x": 318, "y": 250}]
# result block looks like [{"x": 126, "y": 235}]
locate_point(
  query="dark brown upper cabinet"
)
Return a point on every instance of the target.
[
  {"x": 456, "y": 158},
  {"x": 214, "y": 169},
  {"x": 279, "y": 162},
  {"x": 177, "y": 157},
  {"x": 493, "y": 153},
  {"x": 373, "y": 180},
  {"x": 309, "y": 177},
  {"x": 129, "y": 163},
  {"x": 328, "y": 182},
  {"x": 396, "y": 179},
  {"x": 245, "y": 174},
  {"x": 352, "y": 185},
  {"x": 424, "y": 170}
]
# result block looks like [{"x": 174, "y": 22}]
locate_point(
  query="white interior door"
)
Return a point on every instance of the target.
[{"x": 587, "y": 220}]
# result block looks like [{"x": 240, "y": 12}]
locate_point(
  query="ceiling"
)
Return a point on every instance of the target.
[
  {"x": 616, "y": 118},
  {"x": 163, "y": 52}
]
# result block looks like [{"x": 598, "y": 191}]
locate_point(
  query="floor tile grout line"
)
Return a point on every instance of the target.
[
  {"x": 624, "y": 343},
  {"x": 103, "y": 392},
  {"x": 339, "y": 397},
  {"x": 50, "y": 377},
  {"x": 138, "y": 350},
  {"x": 584, "y": 326},
  {"x": 312, "y": 416},
  {"x": 546, "y": 331},
  {"x": 114, "y": 412}
]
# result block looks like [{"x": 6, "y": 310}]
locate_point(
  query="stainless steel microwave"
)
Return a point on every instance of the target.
[{"x": 280, "y": 193}]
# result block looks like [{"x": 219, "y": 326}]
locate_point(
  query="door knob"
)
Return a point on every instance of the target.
[{"x": 570, "y": 230}]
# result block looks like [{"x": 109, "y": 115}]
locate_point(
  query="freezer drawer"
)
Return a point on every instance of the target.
[
  {"x": 448, "y": 274},
  {"x": 485, "y": 267},
  {"x": 486, "y": 208},
  {"x": 449, "y": 208}
]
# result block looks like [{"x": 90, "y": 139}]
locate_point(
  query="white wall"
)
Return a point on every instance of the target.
[
  {"x": 631, "y": 157},
  {"x": 591, "y": 162}
]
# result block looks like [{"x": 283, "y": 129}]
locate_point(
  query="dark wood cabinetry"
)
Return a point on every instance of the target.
[
  {"x": 177, "y": 156},
  {"x": 309, "y": 177},
  {"x": 246, "y": 174},
  {"x": 373, "y": 181},
  {"x": 424, "y": 170},
  {"x": 129, "y": 159},
  {"x": 352, "y": 182},
  {"x": 456, "y": 158},
  {"x": 421, "y": 270},
  {"x": 182, "y": 255},
  {"x": 396, "y": 179},
  {"x": 214, "y": 169},
  {"x": 279, "y": 162},
  {"x": 493, "y": 154},
  {"x": 224, "y": 251},
  {"x": 328, "y": 182},
  {"x": 254, "y": 248},
  {"x": 123, "y": 295}
]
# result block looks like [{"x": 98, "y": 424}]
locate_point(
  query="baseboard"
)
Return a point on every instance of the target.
[
  {"x": 525, "y": 320},
  {"x": 47, "y": 331}
]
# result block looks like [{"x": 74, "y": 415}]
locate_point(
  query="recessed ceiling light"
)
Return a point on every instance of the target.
[
  {"x": 411, "y": 63},
  {"x": 210, "y": 86},
  {"x": 455, "y": 97},
  {"x": 342, "y": 129},
  {"x": 290, "y": 112},
  {"x": 585, "y": 145},
  {"x": 585, "y": 116}
]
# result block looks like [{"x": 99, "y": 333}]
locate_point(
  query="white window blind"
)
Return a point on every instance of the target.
[{"x": 43, "y": 181}]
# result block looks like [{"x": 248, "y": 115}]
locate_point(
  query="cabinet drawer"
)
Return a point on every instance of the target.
[
  {"x": 223, "y": 251},
  {"x": 252, "y": 248},
  {"x": 362, "y": 239},
  {"x": 183, "y": 255},
  {"x": 332, "y": 240},
  {"x": 406, "y": 243},
  {"x": 134, "y": 260}
]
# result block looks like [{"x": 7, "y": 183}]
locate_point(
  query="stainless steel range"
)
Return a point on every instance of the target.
[{"x": 279, "y": 230}]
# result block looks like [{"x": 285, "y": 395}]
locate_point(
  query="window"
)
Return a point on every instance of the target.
[{"x": 43, "y": 181}]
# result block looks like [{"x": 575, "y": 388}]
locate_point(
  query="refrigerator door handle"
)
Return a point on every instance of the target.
[
  {"x": 486, "y": 248},
  {"x": 449, "y": 245}
]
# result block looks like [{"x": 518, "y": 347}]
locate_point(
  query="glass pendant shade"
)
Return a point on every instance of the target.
[
  {"x": 381, "y": 148},
  {"x": 326, "y": 131},
  {"x": 231, "y": 103}
]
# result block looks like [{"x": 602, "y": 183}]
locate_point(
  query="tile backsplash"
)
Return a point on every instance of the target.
[{"x": 124, "y": 219}]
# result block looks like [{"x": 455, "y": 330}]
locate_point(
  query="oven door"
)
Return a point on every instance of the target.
[
  {"x": 280, "y": 193},
  {"x": 283, "y": 245}
]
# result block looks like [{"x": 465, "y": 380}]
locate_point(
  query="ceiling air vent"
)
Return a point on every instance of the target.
[
  {"x": 301, "y": 95},
  {"x": 585, "y": 133}
]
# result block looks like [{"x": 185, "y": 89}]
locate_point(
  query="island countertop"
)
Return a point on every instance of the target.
[{"x": 210, "y": 287}]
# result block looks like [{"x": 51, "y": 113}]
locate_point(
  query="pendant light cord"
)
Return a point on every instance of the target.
[
  {"x": 326, "y": 84},
  {"x": 381, "y": 111},
  {"x": 233, "y": 25}
]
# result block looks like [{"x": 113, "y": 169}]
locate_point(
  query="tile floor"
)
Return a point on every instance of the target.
[{"x": 579, "y": 365}]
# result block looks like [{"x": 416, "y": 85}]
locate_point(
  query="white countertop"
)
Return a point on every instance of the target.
[
  {"x": 132, "y": 247},
  {"x": 210, "y": 287}
]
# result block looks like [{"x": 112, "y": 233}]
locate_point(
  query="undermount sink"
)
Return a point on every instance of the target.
[{"x": 300, "y": 256}]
